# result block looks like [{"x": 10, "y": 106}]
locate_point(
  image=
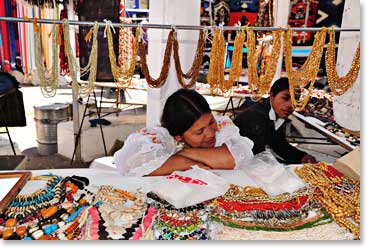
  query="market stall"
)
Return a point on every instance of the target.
[{"x": 263, "y": 199}]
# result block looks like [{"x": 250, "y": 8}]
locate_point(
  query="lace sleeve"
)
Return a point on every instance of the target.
[
  {"x": 239, "y": 146},
  {"x": 144, "y": 152}
]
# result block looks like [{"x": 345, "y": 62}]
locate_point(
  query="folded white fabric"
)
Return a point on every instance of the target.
[{"x": 187, "y": 188}]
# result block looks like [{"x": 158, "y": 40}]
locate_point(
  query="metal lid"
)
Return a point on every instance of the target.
[{"x": 54, "y": 106}]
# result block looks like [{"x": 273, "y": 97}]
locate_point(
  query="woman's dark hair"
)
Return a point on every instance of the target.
[
  {"x": 182, "y": 109},
  {"x": 279, "y": 85}
]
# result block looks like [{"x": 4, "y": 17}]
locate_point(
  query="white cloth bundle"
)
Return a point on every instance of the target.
[{"x": 187, "y": 188}]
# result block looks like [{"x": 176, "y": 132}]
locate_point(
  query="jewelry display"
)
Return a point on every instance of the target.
[
  {"x": 236, "y": 66},
  {"x": 157, "y": 83},
  {"x": 307, "y": 73},
  {"x": 193, "y": 72},
  {"x": 336, "y": 129},
  {"x": 121, "y": 211},
  {"x": 190, "y": 223},
  {"x": 216, "y": 71},
  {"x": 123, "y": 74},
  {"x": 24, "y": 205},
  {"x": 82, "y": 90},
  {"x": 215, "y": 75},
  {"x": 252, "y": 209},
  {"x": 67, "y": 210},
  {"x": 338, "y": 194},
  {"x": 339, "y": 85},
  {"x": 260, "y": 85},
  {"x": 320, "y": 108},
  {"x": 125, "y": 44},
  {"x": 328, "y": 231},
  {"x": 48, "y": 86}
]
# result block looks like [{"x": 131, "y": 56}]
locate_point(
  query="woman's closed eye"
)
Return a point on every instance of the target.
[{"x": 199, "y": 131}]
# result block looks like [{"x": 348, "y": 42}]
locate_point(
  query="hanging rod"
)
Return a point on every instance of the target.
[{"x": 162, "y": 26}]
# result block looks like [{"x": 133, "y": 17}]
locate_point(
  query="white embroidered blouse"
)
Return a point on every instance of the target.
[{"x": 147, "y": 150}]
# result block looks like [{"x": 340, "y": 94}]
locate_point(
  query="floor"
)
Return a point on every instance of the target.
[{"x": 25, "y": 139}]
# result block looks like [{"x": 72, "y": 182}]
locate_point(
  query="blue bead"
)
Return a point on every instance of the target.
[
  {"x": 27, "y": 238},
  {"x": 50, "y": 229}
]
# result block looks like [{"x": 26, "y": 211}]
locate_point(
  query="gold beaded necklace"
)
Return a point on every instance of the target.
[
  {"x": 308, "y": 72},
  {"x": 236, "y": 65},
  {"x": 215, "y": 75},
  {"x": 261, "y": 85},
  {"x": 159, "y": 82},
  {"x": 217, "y": 56},
  {"x": 122, "y": 76},
  {"x": 339, "y": 85},
  {"x": 342, "y": 207},
  {"x": 193, "y": 72}
]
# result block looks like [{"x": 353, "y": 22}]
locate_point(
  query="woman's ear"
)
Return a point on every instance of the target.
[{"x": 178, "y": 138}]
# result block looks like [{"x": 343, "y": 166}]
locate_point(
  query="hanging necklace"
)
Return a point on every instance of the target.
[
  {"x": 193, "y": 72},
  {"x": 307, "y": 73},
  {"x": 125, "y": 41},
  {"x": 48, "y": 86},
  {"x": 339, "y": 85},
  {"x": 236, "y": 66},
  {"x": 215, "y": 75},
  {"x": 91, "y": 67},
  {"x": 122, "y": 75},
  {"x": 159, "y": 82},
  {"x": 261, "y": 85}
]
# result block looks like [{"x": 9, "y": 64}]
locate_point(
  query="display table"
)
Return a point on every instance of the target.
[
  {"x": 97, "y": 177},
  {"x": 104, "y": 180},
  {"x": 318, "y": 125}
]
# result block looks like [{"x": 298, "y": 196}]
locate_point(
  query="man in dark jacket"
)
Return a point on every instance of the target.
[{"x": 263, "y": 123}]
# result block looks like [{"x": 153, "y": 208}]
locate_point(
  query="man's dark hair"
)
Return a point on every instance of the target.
[
  {"x": 279, "y": 85},
  {"x": 182, "y": 109}
]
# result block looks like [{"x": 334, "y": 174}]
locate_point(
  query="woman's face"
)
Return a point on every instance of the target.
[{"x": 202, "y": 132}]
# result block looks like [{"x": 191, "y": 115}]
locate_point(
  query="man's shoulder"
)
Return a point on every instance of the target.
[{"x": 258, "y": 109}]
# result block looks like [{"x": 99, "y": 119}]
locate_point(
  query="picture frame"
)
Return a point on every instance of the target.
[{"x": 11, "y": 184}]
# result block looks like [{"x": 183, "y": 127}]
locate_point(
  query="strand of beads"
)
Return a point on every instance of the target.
[
  {"x": 24, "y": 205},
  {"x": 339, "y": 85},
  {"x": 121, "y": 211},
  {"x": 190, "y": 223},
  {"x": 250, "y": 208},
  {"x": 338, "y": 194},
  {"x": 299, "y": 79},
  {"x": 193, "y": 72}
]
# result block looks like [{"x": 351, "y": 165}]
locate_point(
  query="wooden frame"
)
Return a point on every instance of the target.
[{"x": 15, "y": 189}]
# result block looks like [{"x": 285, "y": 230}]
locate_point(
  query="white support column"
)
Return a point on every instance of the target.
[
  {"x": 281, "y": 13},
  {"x": 347, "y": 106},
  {"x": 175, "y": 12}
]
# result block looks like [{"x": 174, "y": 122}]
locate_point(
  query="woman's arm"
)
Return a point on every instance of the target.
[
  {"x": 176, "y": 163},
  {"x": 215, "y": 158}
]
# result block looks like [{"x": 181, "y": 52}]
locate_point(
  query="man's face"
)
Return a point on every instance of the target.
[{"x": 282, "y": 104}]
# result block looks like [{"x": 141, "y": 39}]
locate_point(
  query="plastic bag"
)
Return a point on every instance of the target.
[
  {"x": 187, "y": 188},
  {"x": 271, "y": 176}
]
